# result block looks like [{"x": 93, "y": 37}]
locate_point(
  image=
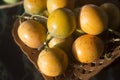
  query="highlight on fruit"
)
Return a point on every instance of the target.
[{"x": 61, "y": 29}]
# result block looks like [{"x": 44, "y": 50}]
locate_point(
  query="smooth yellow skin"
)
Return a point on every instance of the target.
[
  {"x": 61, "y": 23},
  {"x": 113, "y": 13},
  {"x": 93, "y": 20},
  {"x": 52, "y": 62},
  {"x": 87, "y": 48},
  {"x": 55, "y": 4},
  {"x": 32, "y": 33},
  {"x": 34, "y": 6}
]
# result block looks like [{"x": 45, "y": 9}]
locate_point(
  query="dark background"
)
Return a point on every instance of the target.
[{"x": 14, "y": 65}]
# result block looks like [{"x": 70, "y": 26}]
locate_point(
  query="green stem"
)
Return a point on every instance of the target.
[
  {"x": 45, "y": 44},
  {"x": 20, "y": 17},
  {"x": 80, "y": 31},
  {"x": 40, "y": 16}
]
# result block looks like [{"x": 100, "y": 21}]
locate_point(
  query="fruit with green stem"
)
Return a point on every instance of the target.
[{"x": 61, "y": 23}]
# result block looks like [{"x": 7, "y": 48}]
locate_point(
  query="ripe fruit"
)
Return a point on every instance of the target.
[
  {"x": 32, "y": 33},
  {"x": 34, "y": 6},
  {"x": 64, "y": 44},
  {"x": 113, "y": 13},
  {"x": 61, "y": 23},
  {"x": 52, "y": 61},
  {"x": 87, "y": 48},
  {"x": 93, "y": 20},
  {"x": 55, "y": 4},
  {"x": 10, "y": 1}
]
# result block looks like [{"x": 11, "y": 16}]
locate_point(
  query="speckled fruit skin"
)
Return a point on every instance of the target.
[
  {"x": 61, "y": 23},
  {"x": 34, "y": 6},
  {"x": 93, "y": 20},
  {"x": 32, "y": 33},
  {"x": 87, "y": 48},
  {"x": 52, "y": 61}
]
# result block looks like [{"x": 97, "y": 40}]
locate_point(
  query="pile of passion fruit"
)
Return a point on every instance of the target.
[{"x": 63, "y": 32}]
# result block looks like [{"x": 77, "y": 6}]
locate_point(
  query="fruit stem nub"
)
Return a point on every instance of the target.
[
  {"x": 45, "y": 44},
  {"x": 108, "y": 56},
  {"x": 80, "y": 31},
  {"x": 41, "y": 16}
]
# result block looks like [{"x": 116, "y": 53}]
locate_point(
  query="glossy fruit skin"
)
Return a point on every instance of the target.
[
  {"x": 32, "y": 33},
  {"x": 52, "y": 61},
  {"x": 61, "y": 23},
  {"x": 10, "y": 1},
  {"x": 87, "y": 48},
  {"x": 113, "y": 13},
  {"x": 55, "y": 4},
  {"x": 34, "y": 6},
  {"x": 93, "y": 20}
]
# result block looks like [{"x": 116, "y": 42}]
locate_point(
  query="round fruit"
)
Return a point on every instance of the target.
[
  {"x": 64, "y": 44},
  {"x": 61, "y": 23},
  {"x": 10, "y": 1},
  {"x": 87, "y": 48},
  {"x": 113, "y": 13},
  {"x": 52, "y": 61},
  {"x": 93, "y": 20},
  {"x": 55, "y": 4},
  {"x": 32, "y": 33},
  {"x": 34, "y": 6}
]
